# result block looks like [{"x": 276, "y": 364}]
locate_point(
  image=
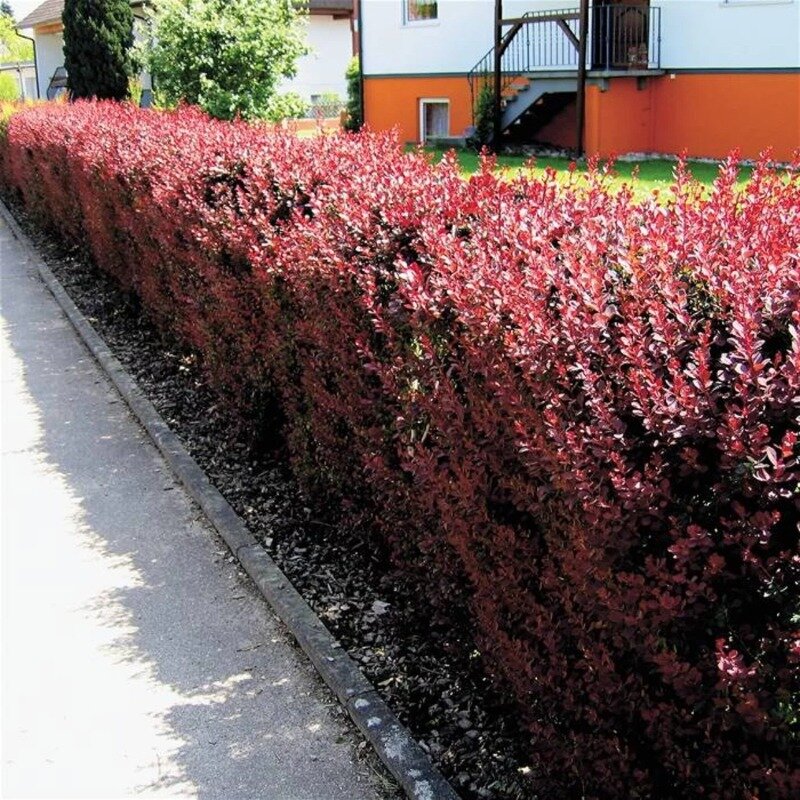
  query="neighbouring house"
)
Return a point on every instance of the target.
[
  {"x": 333, "y": 41},
  {"x": 320, "y": 74},
  {"x": 24, "y": 75},
  {"x": 700, "y": 76}
]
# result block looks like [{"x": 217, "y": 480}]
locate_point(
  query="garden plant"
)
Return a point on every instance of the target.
[{"x": 575, "y": 414}]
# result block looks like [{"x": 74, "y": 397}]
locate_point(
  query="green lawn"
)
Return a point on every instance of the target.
[{"x": 652, "y": 174}]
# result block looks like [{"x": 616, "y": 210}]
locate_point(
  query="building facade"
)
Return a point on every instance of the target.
[
  {"x": 321, "y": 73},
  {"x": 700, "y": 76},
  {"x": 333, "y": 43}
]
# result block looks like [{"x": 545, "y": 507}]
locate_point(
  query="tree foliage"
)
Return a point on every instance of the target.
[
  {"x": 12, "y": 47},
  {"x": 9, "y": 88},
  {"x": 226, "y": 56},
  {"x": 98, "y": 36}
]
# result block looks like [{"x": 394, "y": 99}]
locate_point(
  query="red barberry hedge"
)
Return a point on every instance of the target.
[{"x": 576, "y": 414}]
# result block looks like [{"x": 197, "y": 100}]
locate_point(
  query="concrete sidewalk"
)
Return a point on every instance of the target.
[{"x": 136, "y": 658}]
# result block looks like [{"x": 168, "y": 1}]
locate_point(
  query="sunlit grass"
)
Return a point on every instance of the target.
[{"x": 645, "y": 176}]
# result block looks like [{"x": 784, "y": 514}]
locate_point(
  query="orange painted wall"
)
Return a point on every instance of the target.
[
  {"x": 390, "y": 102},
  {"x": 704, "y": 114},
  {"x": 712, "y": 114},
  {"x": 619, "y": 120}
]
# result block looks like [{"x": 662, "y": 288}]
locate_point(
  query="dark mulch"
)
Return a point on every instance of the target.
[{"x": 426, "y": 670}]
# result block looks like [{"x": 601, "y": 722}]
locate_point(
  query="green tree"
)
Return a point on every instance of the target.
[
  {"x": 13, "y": 48},
  {"x": 6, "y": 10},
  {"x": 98, "y": 36},
  {"x": 226, "y": 56}
]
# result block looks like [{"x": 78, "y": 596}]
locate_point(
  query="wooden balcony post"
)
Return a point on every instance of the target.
[
  {"x": 582, "y": 50},
  {"x": 497, "y": 76}
]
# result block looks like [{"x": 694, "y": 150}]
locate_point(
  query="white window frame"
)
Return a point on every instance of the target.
[
  {"x": 407, "y": 22},
  {"x": 430, "y": 100}
]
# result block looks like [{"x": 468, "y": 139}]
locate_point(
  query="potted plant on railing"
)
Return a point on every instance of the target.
[{"x": 638, "y": 56}]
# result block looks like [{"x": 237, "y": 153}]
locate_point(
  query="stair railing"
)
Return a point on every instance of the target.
[
  {"x": 536, "y": 40},
  {"x": 620, "y": 37}
]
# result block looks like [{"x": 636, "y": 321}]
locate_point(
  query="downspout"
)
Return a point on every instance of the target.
[
  {"x": 35, "y": 60},
  {"x": 497, "y": 76}
]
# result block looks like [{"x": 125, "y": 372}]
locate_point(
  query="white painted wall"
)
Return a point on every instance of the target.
[
  {"x": 322, "y": 70},
  {"x": 50, "y": 56},
  {"x": 741, "y": 34},
  {"x": 696, "y": 34},
  {"x": 452, "y": 43}
]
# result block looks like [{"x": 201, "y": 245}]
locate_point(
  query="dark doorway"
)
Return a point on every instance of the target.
[{"x": 621, "y": 33}]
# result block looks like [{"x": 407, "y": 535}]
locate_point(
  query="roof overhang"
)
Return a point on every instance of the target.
[{"x": 45, "y": 17}]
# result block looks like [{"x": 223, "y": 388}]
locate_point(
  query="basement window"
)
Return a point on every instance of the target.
[{"x": 434, "y": 118}]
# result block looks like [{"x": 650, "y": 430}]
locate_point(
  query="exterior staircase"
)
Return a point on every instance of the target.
[
  {"x": 522, "y": 97},
  {"x": 539, "y": 59}
]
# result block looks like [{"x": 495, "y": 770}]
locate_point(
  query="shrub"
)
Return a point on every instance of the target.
[
  {"x": 354, "y": 119},
  {"x": 483, "y": 114},
  {"x": 573, "y": 415},
  {"x": 289, "y": 105}
]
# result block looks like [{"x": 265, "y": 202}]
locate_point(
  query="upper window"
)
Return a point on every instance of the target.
[{"x": 420, "y": 10}]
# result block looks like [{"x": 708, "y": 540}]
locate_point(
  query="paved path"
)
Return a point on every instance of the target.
[{"x": 136, "y": 658}]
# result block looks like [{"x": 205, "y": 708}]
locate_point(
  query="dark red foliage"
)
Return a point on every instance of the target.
[{"x": 578, "y": 415}]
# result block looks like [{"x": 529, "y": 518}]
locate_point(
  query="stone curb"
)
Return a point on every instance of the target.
[{"x": 402, "y": 756}]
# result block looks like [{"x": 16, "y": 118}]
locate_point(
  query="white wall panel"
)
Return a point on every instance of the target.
[
  {"x": 49, "y": 56},
  {"x": 696, "y": 34},
  {"x": 745, "y": 34},
  {"x": 322, "y": 70},
  {"x": 452, "y": 43}
]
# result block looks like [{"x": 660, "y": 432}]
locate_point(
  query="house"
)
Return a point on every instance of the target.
[
  {"x": 333, "y": 41},
  {"x": 331, "y": 36},
  {"x": 701, "y": 76}
]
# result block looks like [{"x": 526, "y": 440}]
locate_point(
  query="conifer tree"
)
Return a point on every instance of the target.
[{"x": 98, "y": 35}]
